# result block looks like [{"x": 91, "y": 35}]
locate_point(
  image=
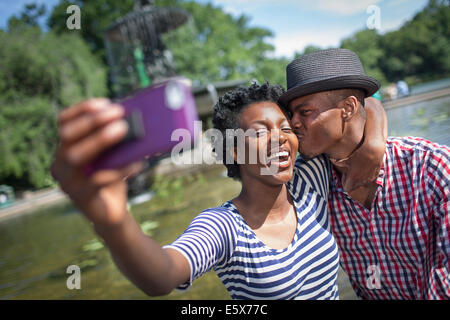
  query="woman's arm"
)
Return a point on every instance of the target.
[
  {"x": 154, "y": 270},
  {"x": 364, "y": 166},
  {"x": 85, "y": 130}
]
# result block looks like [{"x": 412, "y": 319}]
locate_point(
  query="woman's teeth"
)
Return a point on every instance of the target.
[{"x": 278, "y": 155}]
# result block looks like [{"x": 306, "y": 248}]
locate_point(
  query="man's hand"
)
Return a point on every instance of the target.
[
  {"x": 85, "y": 131},
  {"x": 365, "y": 164}
]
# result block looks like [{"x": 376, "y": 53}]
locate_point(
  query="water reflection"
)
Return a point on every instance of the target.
[
  {"x": 36, "y": 249},
  {"x": 427, "y": 119}
]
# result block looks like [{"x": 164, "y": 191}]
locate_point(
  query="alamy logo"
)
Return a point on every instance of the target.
[
  {"x": 373, "y": 277},
  {"x": 73, "y": 281},
  {"x": 74, "y": 20},
  {"x": 374, "y": 20}
]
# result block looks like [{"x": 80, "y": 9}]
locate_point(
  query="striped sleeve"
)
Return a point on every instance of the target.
[
  {"x": 207, "y": 243},
  {"x": 315, "y": 172}
]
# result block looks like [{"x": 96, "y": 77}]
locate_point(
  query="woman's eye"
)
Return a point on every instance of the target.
[
  {"x": 287, "y": 129},
  {"x": 261, "y": 132}
]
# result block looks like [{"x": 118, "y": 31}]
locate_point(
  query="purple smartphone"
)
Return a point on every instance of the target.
[{"x": 152, "y": 114}]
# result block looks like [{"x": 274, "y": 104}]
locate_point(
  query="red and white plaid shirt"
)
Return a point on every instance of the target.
[{"x": 400, "y": 248}]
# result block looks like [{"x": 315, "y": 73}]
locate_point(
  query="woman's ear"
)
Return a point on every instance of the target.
[{"x": 349, "y": 107}]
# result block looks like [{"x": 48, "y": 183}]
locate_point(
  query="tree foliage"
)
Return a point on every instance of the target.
[
  {"x": 420, "y": 49},
  {"x": 217, "y": 46},
  {"x": 41, "y": 74},
  {"x": 212, "y": 46},
  {"x": 366, "y": 44},
  {"x": 95, "y": 18}
]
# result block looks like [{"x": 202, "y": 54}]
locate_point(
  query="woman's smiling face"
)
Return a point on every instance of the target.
[{"x": 270, "y": 137}]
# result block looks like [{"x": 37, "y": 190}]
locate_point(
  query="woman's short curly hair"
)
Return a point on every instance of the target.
[{"x": 229, "y": 107}]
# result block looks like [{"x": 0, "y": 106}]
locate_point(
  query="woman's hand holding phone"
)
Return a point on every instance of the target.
[{"x": 85, "y": 131}]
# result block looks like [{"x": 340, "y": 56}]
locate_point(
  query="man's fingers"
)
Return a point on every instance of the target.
[
  {"x": 82, "y": 125},
  {"x": 104, "y": 177},
  {"x": 91, "y": 105},
  {"x": 90, "y": 147}
]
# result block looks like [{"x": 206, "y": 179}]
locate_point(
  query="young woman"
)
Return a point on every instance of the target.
[{"x": 272, "y": 241}]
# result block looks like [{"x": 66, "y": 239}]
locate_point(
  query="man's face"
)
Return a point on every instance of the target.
[{"x": 316, "y": 122}]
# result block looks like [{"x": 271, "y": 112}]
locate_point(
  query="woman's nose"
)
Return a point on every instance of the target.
[{"x": 279, "y": 135}]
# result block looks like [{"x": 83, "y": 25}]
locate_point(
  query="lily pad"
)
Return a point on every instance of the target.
[
  {"x": 148, "y": 226},
  {"x": 93, "y": 245}
]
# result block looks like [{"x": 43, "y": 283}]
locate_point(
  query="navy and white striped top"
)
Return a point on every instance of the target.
[{"x": 220, "y": 239}]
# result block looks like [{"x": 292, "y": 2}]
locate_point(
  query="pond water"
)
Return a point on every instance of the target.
[
  {"x": 427, "y": 119},
  {"x": 35, "y": 250}
]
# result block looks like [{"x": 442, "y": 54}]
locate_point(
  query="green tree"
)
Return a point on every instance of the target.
[
  {"x": 420, "y": 49},
  {"x": 27, "y": 139},
  {"x": 28, "y": 17},
  {"x": 272, "y": 70},
  {"x": 216, "y": 46},
  {"x": 96, "y": 16},
  {"x": 366, "y": 44},
  {"x": 308, "y": 49},
  {"x": 212, "y": 46},
  {"x": 41, "y": 74}
]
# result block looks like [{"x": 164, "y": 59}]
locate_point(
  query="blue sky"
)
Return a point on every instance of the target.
[{"x": 295, "y": 23}]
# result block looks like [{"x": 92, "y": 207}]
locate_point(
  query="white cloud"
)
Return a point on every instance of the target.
[
  {"x": 232, "y": 10},
  {"x": 394, "y": 3},
  {"x": 287, "y": 44},
  {"x": 343, "y": 7},
  {"x": 392, "y": 25}
]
